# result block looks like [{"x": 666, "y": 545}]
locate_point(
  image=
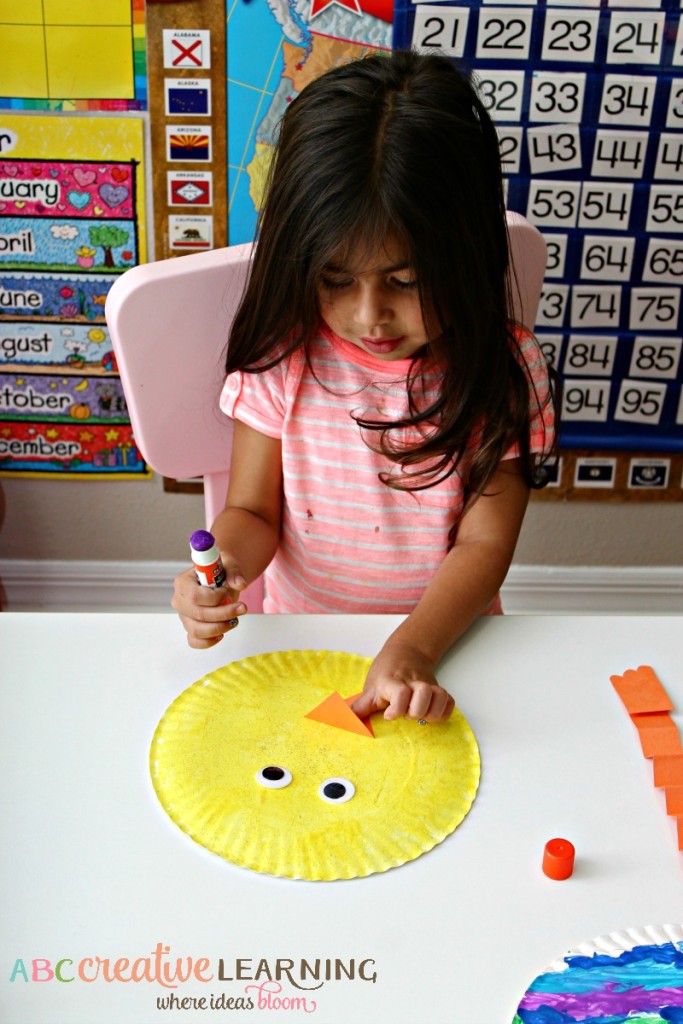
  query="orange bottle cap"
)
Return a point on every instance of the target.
[{"x": 558, "y": 859}]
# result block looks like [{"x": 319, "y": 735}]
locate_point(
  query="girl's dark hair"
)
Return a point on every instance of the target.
[{"x": 398, "y": 145}]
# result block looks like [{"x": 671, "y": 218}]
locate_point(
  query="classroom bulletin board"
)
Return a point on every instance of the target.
[
  {"x": 588, "y": 102},
  {"x": 73, "y": 216}
]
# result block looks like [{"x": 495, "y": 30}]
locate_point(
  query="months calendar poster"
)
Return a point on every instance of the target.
[{"x": 588, "y": 102}]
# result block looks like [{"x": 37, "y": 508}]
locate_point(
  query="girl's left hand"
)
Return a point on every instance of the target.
[{"x": 401, "y": 682}]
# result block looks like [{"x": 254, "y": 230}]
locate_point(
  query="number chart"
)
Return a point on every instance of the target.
[{"x": 588, "y": 103}]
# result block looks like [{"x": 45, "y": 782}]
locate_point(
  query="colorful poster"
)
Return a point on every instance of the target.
[
  {"x": 72, "y": 218},
  {"x": 79, "y": 55},
  {"x": 586, "y": 101},
  {"x": 275, "y": 47}
]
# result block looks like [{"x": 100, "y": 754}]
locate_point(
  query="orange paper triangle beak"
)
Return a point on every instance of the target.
[{"x": 336, "y": 711}]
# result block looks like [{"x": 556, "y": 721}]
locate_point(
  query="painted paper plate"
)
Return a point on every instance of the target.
[
  {"x": 239, "y": 767},
  {"x": 634, "y": 976}
]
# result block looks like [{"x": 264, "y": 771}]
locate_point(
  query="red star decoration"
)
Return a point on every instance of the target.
[{"x": 318, "y": 6}]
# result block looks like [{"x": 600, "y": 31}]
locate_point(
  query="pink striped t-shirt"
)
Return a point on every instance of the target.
[{"x": 349, "y": 543}]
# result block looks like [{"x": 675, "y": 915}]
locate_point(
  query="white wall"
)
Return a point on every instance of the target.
[{"x": 130, "y": 520}]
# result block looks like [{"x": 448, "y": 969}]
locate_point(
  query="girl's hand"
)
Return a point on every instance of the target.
[
  {"x": 401, "y": 682},
  {"x": 208, "y": 613}
]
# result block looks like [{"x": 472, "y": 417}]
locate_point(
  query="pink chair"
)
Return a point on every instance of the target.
[
  {"x": 528, "y": 256},
  {"x": 169, "y": 324}
]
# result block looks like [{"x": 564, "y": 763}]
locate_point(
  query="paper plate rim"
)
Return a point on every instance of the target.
[{"x": 621, "y": 941}]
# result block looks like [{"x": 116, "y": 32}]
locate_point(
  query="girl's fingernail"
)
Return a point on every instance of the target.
[
  {"x": 241, "y": 609},
  {"x": 233, "y": 622}
]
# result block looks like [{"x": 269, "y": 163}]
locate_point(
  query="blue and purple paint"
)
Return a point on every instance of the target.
[{"x": 642, "y": 984}]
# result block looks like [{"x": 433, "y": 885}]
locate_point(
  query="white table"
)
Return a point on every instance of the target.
[{"x": 92, "y": 867}]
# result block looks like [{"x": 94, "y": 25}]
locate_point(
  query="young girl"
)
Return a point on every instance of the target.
[{"x": 389, "y": 419}]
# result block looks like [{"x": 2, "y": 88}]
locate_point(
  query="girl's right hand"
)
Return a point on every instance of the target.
[{"x": 207, "y": 613}]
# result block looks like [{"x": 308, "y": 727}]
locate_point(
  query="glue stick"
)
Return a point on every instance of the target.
[{"x": 206, "y": 559}]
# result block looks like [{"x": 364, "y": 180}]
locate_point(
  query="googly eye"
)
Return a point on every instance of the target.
[
  {"x": 336, "y": 791},
  {"x": 273, "y": 777}
]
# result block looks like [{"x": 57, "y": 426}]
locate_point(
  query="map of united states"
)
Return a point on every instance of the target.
[{"x": 275, "y": 48}]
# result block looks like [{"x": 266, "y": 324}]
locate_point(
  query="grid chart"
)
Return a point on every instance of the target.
[
  {"x": 588, "y": 103},
  {"x": 73, "y": 55}
]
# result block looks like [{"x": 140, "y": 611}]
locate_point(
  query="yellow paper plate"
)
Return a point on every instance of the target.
[{"x": 413, "y": 784}]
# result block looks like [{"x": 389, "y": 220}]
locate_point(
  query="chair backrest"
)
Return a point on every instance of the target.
[
  {"x": 528, "y": 255},
  {"x": 169, "y": 324}
]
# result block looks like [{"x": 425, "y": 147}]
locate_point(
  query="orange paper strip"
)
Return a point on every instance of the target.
[
  {"x": 668, "y": 770},
  {"x": 654, "y": 720},
  {"x": 335, "y": 711},
  {"x": 658, "y": 734},
  {"x": 679, "y": 822},
  {"x": 641, "y": 691},
  {"x": 674, "y": 800}
]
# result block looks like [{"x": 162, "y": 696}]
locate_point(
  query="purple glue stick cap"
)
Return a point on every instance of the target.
[{"x": 201, "y": 540}]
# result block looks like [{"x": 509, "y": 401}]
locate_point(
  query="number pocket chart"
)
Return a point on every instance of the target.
[{"x": 588, "y": 102}]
